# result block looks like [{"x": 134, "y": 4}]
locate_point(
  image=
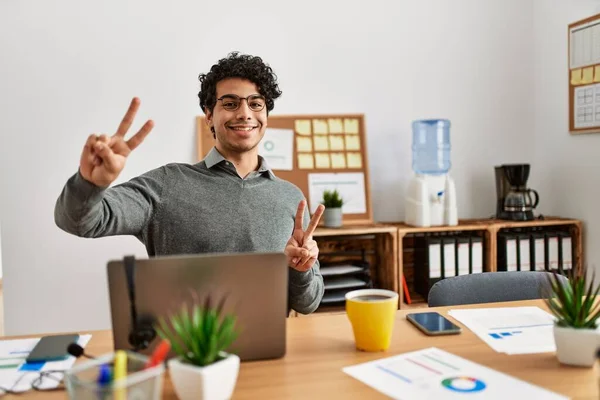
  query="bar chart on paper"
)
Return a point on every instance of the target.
[{"x": 435, "y": 373}]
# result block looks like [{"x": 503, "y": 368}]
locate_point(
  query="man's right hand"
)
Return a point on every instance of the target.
[{"x": 103, "y": 158}]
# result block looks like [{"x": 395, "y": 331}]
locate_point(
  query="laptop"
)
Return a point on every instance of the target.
[{"x": 255, "y": 286}]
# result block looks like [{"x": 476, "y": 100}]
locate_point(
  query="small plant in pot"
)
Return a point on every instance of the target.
[
  {"x": 333, "y": 202},
  {"x": 573, "y": 303},
  {"x": 201, "y": 336}
]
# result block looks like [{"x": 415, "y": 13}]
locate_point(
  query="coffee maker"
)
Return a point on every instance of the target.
[{"x": 514, "y": 199}]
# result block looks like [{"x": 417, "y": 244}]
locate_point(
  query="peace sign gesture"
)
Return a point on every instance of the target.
[
  {"x": 103, "y": 158},
  {"x": 301, "y": 250}
]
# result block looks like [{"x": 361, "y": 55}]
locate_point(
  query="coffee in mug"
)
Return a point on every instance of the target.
[{"x": 371, "y": 297}]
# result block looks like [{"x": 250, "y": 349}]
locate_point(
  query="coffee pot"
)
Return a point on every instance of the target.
[{"x": 515, "y": 200}]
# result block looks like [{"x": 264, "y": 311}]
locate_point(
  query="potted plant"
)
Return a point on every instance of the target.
[
  {"x": 573, "y": 303},
  {"x": 200, "y": 336},
  {"x": 333, "y": 202}
]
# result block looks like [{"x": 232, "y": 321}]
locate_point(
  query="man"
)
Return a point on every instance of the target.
[{"x": 229, "y": 202}]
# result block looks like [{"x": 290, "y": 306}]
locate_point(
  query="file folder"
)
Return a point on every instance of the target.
[
  {"x": 552, "y": 251},
  {"x": 476, "y": 255},
  {"x": 565, "y": 252},
  {"x": 462, "y": 255},
  {"x": 524, "y": 252},
  {"x": 449, "y": 257},
  {"x": 507, "y": 252},
  {"x": 538, "y": 251}
]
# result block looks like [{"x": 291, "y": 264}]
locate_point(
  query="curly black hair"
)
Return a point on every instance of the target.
[{"x": 242, "y": 66}]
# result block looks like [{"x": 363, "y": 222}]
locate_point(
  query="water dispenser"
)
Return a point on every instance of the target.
[{"x": 431, "y": 194}]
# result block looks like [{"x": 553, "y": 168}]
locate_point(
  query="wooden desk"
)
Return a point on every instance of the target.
[{"x": 319, "y": 347}]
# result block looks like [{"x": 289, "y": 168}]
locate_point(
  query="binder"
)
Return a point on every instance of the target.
[
  {"x": 407, "y": 299},
  {"x": 476, "y": 255},
  {"x": 434, "y": 253},
  {"x": 524, "y": 253},
  {"x": 462, "y": 255},
  {"x": 428, "y": 263},
  {"x": 538, "y": 251},
  {"x": 552, "y": 251},
  {"x": 565, "y": 253},
  {"x": 507, "y": 252},
  {"x": 449, "y": 257}
]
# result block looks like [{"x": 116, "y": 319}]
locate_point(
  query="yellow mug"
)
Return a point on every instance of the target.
[{"x": 372, "y": 313}]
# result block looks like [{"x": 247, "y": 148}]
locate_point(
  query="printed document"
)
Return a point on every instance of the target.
[
  {"x": 510, "y": 330},
  {"x": 436, "y": 374},
  {"x": 17, "y": 375}
]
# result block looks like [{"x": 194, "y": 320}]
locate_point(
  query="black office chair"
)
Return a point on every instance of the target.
[{"x": 490, "y": 287}]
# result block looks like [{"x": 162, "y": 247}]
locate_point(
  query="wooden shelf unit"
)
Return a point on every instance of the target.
[
  {"x": 389, "y": 248},
  {"x": 489, "y": 229},
  {"x": 379, "y": 241},
  {"x": 384, "y": 241}
]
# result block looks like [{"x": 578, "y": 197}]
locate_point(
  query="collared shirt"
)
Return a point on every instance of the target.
[
  {"x": 214, "y": 157},
  {"x": 189, "y": 209}
]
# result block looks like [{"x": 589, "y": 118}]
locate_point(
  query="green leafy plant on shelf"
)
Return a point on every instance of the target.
[
  {"x": 573, "y": 303},
  {"x": 199, "y": 335},
  {"x": 332, "y": 199}
]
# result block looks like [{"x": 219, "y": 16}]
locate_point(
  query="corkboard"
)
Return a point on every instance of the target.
[
  {"x": 322, "y": 144},
  {"x": 584, "y": 75}
]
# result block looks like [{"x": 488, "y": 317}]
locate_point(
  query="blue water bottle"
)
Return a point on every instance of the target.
[{"x": 431, "y": 146}]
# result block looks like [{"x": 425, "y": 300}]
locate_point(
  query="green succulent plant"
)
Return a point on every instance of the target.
[
  {"x": 201, "y": 334},
  {"x": 573, "y": 303},
  {"x": 332, "y": 199}
]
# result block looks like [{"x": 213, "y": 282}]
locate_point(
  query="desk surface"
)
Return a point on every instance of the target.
[{"x": 320, "y": 346}]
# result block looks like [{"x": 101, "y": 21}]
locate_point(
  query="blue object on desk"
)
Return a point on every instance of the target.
[
  {"x": 32, "y": 366},
  {"x": 104, "y": 376}
]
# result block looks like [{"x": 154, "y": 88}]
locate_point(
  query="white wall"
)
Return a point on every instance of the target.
[
  {"x": 566, "y": 166},
  {"x": 69, "y": 68},
  {"x": 0, "y": 253}
]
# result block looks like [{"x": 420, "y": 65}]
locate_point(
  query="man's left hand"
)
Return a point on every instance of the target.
[{"x": 301, "y": 250}]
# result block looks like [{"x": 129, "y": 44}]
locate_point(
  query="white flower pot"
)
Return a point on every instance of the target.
[
  {"x": 332, "y": 217},
  {"x": 213, "y": 382},
  {"x": 576, "y": 346}
]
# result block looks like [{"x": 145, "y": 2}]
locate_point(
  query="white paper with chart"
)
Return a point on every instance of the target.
[
  {"x": 436, "y": 374},
  {"x": 510, "y": 330},
  {"x": 17, "y": 375},
  {"x": 277, "y": 147},
  {"x": 350, "y": 185}
]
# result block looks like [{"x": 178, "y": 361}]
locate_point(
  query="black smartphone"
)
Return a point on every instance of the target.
[
  {"x": 51, "y": 348},
  {"x": 432, "y": 323}
]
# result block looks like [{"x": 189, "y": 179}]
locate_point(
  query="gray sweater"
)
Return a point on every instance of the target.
[{"x": 191, "y": 209}]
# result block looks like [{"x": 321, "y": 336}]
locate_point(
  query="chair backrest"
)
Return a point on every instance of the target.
[{"x": 489, "y": 287}]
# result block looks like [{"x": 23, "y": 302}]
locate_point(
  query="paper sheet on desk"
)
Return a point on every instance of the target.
[
  {"x": 12, "y": 364},
  {"x": 436, "y": 374},
  {"x": 510, "y": 330}
]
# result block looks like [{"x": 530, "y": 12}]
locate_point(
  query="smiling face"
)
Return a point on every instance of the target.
[{"x": 238, "y": 130}]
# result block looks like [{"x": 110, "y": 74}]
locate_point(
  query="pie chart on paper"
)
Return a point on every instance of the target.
[{"x": 464, "y": 384}]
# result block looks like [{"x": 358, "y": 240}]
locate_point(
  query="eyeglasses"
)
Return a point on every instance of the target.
[
  {"x": 43, "y": 381},
  {"x": 231, "y": 102}
]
